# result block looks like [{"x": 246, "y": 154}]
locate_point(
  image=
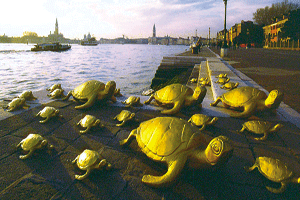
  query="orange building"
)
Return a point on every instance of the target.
[{"x": 272, "y": 32}]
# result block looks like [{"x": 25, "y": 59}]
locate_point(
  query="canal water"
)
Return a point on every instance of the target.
[{"x": 131, "y": 66}]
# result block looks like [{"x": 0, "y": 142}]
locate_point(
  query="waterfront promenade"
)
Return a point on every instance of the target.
[{"x": 50, "y": 175}]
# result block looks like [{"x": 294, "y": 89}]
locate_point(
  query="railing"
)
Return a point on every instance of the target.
[{"x": 284, "y": 44}]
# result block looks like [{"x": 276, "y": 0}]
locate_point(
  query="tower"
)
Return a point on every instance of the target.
[
  {"x": 154, "y": 31},
  {"x": 56, "y": 28}
]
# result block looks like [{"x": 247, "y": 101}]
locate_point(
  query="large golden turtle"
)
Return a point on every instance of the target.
[
  {"x": 91, "y": 91},
  {"x": 27, "y": 95},
  {"x": 89, "y": 160},
  {"x": 274, "y": 170},
  {"x": 178, "y": 95},
  {"x": 260, "y": 127},
  {"x": 249, "y": 100},
  {"x": 174, "y": 141},
  {"x": 31, "y": 143},
  {"x": 16, "y": 103}
]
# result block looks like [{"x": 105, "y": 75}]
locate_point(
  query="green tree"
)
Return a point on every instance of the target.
[
  {"x": 266, "y": 16},
  {"x": 291, "y": 27}
]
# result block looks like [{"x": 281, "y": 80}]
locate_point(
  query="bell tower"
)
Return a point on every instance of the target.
[{"x": 56, "y": 28}]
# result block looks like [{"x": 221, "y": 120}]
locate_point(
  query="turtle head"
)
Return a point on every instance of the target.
[
  {"x": 274, "y": 99},
  {"x": 110, "y": 87},
  {"x": 199, "y": 93},
  {"x": 219, "y": 150}
]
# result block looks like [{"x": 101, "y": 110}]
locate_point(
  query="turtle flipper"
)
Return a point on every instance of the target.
[
  {"x": 149, "y": 100},
  {"x": 203, "y": 127},
  {"x": 130, "y": 138},
  {"x": 74, "y": 161},
  {"x": 174, "y": 169},
  {"x": 86, "y": 130},
  {"x": 176, "y": 108},
  {"x": 89, "y": 103},
  {"x": 263, "y": 137},
  {"x": 249, "y": 169},
  {"x": 68, "y": 96},
  {"x": 218, "y": 100},
  {"x": 278, "y": 190},
  {"x": 123, "y": 122},
  {"x": 248, "y": 111},
  {"x": 45, "y": 120},
  {"x": 27, "y": 155},
  {"x": 81, "y": 177}
]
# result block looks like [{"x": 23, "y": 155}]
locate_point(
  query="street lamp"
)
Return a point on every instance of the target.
[{"x": 224, "y": 48}]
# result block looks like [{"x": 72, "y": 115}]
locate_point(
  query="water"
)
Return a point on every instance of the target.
[{"x": 131, "y": 66}]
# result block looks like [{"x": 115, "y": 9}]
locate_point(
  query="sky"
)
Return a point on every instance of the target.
[{"x": 132, "y": 18}]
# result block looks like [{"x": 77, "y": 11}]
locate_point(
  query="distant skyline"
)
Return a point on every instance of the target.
[{"x": 132, "y": 18}]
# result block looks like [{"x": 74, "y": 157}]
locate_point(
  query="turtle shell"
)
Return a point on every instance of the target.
[
  {"x": 172, "y": 92},
  {"x": 200, "y": 119},
  {"x": 123, "y": 115},
  {"x": 31, "y": 141},
  {"x": 274, "y": 169},
  {"x": 47, "y": 111},
  {"x": 88, "y": 119},
  {"x": 257, "y": 126},
  {"x": 131, "y": 99},
  {"x": 165, "y": 136},
  {"x": 242, "y": 95},
  {"x": 87, "y": 158},
  {"x": 87, "y": 89}
]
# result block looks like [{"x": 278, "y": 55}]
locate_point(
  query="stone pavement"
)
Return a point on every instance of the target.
[{"x": 50, "y": 174}]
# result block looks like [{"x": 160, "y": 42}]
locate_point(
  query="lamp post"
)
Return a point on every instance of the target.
[{"x": 224, "y": 49}]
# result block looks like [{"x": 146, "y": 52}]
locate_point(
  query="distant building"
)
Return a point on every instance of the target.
[
  {"x": 272, "y": 32},
  {"x": 56, "y": 36}
]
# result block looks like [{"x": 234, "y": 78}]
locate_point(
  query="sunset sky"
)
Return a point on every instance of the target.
[{"x": 132, "y": 18}]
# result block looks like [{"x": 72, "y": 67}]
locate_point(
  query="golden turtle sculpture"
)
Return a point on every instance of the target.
[
  {"x": 202, "y": 120},
  {"x": 205, "y": 83},
  {"x": 178, "y": 96},
  {"x": 249, "y": 100},
  {"x": 15, "y": 104},
  {"x": 203, "y": 79},
  {"x": 222, "y": 76},
  {"x": 222, "y": 81},
  {"x": 57, "y": 93},
  {"x": 54, "y": 87},
  {"x": 260, "y": 127},
  {"x": 124, "y": 116},
  {"x": 89, "y": 160},
  {"x": 174, "y": 141},
  {"x": 31, "y": 143},
  {"x": 27, "y": 95},
  {"x": 132, "y": 101},
  {"x": 48, "y": 112},
  {"x": 276, "y": 171},
  {"x": 91, "y": 91},
  {"x": 193, "y": 80},
  {"x": 88, "y": 122},
  {"x": 230, "y": 85}
]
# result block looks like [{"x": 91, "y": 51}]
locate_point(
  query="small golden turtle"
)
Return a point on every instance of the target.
[
  {"x": 173, "y": 141},
  {"x": 132, "y": 101},
  {"x": 203, "y": 79},
  {"x": 260, "y": 127},
  {"x": 89, "y": 160},
  {"x": 57, "y": 93},
  {"x": 230, "y": 85},
  {"x": 178, "y": 96},
  {"x": 15, "y": 104},
  {"x": 124, "y": 116},
  {"x": 117, "y": 93},
  {"x": 54, "y": 87},
  {"x": 91, "y": 91},
  {"x": 222, "y": 81},
  {"x": 48, "y": 112},
  {"x": 249, "y": 100},
  {"x": 276, "y": 171},
  {"x": 222, "y": 76},
  {"x": 27, "y": 95},
  {"x": 202, "y": 120},
  {"x": 193, "y": 80},
  {"x": 88, "y": 122},
  {"x": 205, "y": 82},
  {"x": 31, "y": 143}
]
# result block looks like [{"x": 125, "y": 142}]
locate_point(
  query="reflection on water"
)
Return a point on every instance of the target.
[{"x": 131, "y": 66}]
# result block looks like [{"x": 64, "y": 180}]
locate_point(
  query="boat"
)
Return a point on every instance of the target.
[
  {"x": 89, "y": 42},
  {"x": 51, "y": 47}
]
